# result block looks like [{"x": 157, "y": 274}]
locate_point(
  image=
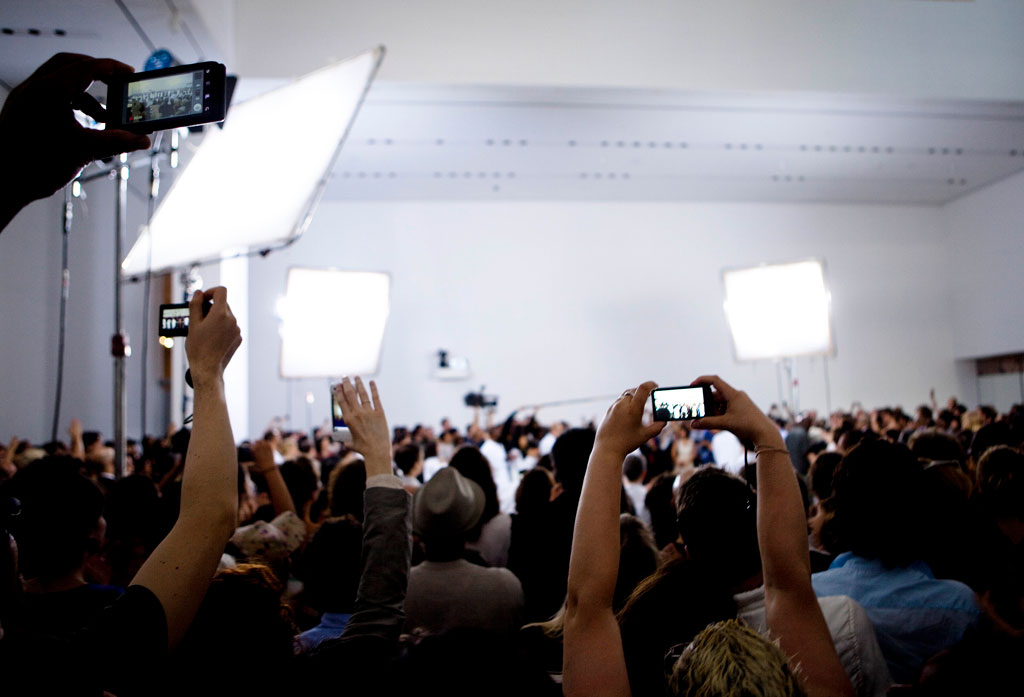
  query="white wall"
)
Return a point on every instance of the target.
[
  {"x": 986, "y": 269},
  {"x": 894, "y": 47},
  {"x": 30, "y": 276},
  {"x": 558, "y": 300}
]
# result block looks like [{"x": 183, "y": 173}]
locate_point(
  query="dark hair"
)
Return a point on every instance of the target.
[
  {"x": 717, "y": 518},
  {"x": 534, "y": 492},
  {"x": 471, "y": 463},
  {"x": 668, "y": 608},
  {"x": 821, "y": 472},
  {"x": 89, "y": 438},
  {"x": 634, "y": 467},
  {"x": 937, "y": 446},
  {"x": 878, "y": 512},
  {"x": 662, "y": 510},
  {"x": 330, "y": 566},
  {"x": 570, "y": 455},
  {"x": 345, "y": 489},
  {"x": 989, "y": 436},
  {"x": 300, "y": 478},
  {"x": 60, "y": 508},
  {"x": 406, "y": 457},
  {"x": 1000, "y": 482},
  {"x": 638, "y": 557},
  {"x": 134, "y": 520}
]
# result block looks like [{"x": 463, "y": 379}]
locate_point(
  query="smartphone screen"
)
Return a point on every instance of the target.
[
  {"x": 678, "y": 403},
  {"x": 174, "y": 319},
  {"x": 159, "y": 99}
]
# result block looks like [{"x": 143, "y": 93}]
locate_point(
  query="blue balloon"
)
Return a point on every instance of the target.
[{"x": 161, "y": 58}]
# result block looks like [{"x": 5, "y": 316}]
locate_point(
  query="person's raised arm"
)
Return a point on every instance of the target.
[
  {"x": 387, "y": 539},
  {"x": 791, "y": 608},
  {"x": 77, "y": 444},
  {"x": 180, "y": 569},
  {"x": 42, "y": 146},
  {"x": 280, "y": 497},
  {"x": 593, "y": 660}
]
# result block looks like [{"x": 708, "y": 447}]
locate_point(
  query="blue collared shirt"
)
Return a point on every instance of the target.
[{"x": 915, "y": 615}]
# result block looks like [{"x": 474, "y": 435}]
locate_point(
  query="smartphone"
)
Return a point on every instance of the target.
[
  {"x": 340, "y": 432},
  {"x": 681, "y": 403},
  {"x": 174, "y": 319},
  {"x": 156, "y": 100}
]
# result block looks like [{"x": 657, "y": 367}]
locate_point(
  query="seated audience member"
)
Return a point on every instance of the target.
[
  {"x": 330, "y": 576},
  {"x": 491, "y": 536},
  {"x": 633, "y": 471},
  {"x": 59, "y": 527},
  {"x": 159, "y": 605},
  {"x": 717, "y": 524},
  {"x": 724, "y": 652},
  {"x": 639, "y": 560},
  {"x": 879, "y": 523},
  {"x": 446, "y": 591},
  {"x": 362, "y": 659},
  {"x": 38, "y": 129},
  {"x": 539, "y": 555}
]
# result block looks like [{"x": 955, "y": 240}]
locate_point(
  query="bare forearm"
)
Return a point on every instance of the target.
[
  {"x": 210, "y": 479},
  {"x": 781, "y": 520},
  {"x": 594, "y": 564}
]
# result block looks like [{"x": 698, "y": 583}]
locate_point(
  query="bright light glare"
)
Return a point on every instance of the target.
[
  {"x": 778, "y": 311},
  {"x": 255, "y": 183},
  {"x": 343, "y": 340}
]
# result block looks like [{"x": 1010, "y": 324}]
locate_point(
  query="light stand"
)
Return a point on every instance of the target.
[{"x": 119, "y": 347}]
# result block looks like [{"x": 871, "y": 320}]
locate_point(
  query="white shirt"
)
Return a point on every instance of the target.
[
  {"x": 728, "y": 452},
  {"x": 852, "y": 633},
  {"x": 496, "y": 456},
  {"x": 431, "y": 466},
  {"x": 546, "y": 443}
]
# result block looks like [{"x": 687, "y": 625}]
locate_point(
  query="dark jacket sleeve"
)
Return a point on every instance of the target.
[{"x": 387, "y": 553}]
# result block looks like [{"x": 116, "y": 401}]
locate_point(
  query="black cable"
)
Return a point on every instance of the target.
[
  {"x": 138, "y": 28},
  {"x": 65, "y": 282}
]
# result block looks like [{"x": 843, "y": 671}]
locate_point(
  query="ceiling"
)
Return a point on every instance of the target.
[
  {"x": 494, "y": 143},
  {"x": 470, "y": 142}
]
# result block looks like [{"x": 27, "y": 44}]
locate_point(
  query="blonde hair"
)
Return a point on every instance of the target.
[{"x": 729, "y": 659}]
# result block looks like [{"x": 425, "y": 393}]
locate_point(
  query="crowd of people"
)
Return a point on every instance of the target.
[{"x": 745, "y": 553}]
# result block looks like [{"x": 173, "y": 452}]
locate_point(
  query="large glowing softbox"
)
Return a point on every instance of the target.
[
  {"x": 778, "y": 311},
  {"x": 344, "y": 341},
  {"x": 256, "y": 183}
]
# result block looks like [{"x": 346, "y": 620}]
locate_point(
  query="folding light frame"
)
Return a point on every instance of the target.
[
  {"x": 778, "y": 310},
  {"x": 256, "y": 182}
]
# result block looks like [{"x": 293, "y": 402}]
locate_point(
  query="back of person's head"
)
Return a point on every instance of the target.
[
  {"x": 819, "y": 476},
  {"x": 1000, "y": 482},
  {"x": 990, "y": 436},
  {"x": 470, "y": 662},
  {"x": 406, "y": 457},
  {"x": 345, "y": 490},
  {"x": 59, "y": 522},
  {"x": 330, "y": 566},
  {"x": 241, "y": 622},
  {"x": 444, "y": 510},
  {"x": 877, "y": 497},
  {"x": 133, "y": 512},
  {"x": 634, "y": 467},
  {"x": 472, "y": 464},
  {"x": 638, "y": 557},
  {"x": 301, "y": 480},
  {"x": 717, "y": 518},
  {"x": 666, "y": 609},
  {"x": 534, "y": 491},
  {"x": 933, "y": 445},
  {"x": 662, "y": 509},
  {"x": 569, "y": 457},
  {"x": 729, "y": 659}
]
